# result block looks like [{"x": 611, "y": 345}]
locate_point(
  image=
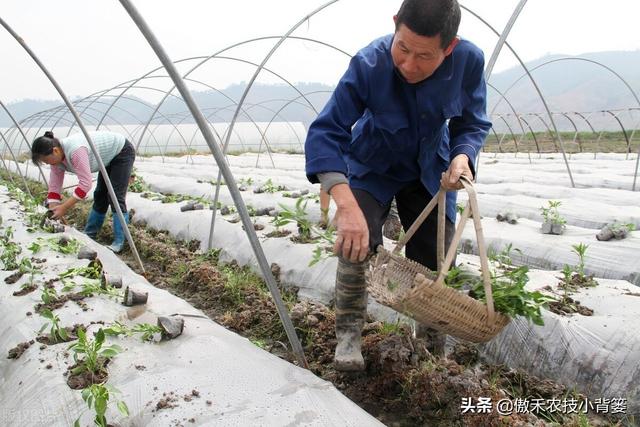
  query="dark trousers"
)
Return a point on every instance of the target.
[
  {"x": 411, "y": 201},
  {"x": 119, "y": 171}
]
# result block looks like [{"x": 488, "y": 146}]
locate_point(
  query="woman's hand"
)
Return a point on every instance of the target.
[{"x": 58, "y": 211}]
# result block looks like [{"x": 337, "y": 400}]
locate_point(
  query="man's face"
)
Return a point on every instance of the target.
[{"x": 417, "y": 57}]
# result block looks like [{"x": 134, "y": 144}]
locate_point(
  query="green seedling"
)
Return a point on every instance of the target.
[
  {"x": 48, "y": 295},
  {"x": 138, "y": 185},
  {"x": 580, "y": 250},
  {"x": 27, "y": 267},
  {"x": 390, "y": 328},
  {"x": 116, "y": 329},
  {"x": 147, "y": 330},
  {"x": 93, "y": 287},
  {"x": 57, "y": 333},
  {"x": 298, "y": 216},
  {"x": 97, "y": 397},
  {"x": 90, "y": 355},
  {"x": 260, "y": 343},
  {"x": 246, "y": 181},
  {"x": 551, "y": 214},
  {"x": 53, "y": 243},
  {"x": 91, "y": 271},
  {"x": 10, "y": 250},
  {"x": 508, "y": 288},
  {"x": 510, "y": 296},
  {"x": 622, "y": 226}
]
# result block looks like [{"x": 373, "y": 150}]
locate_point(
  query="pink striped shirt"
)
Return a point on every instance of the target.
[{"x": 80, "y": 164}]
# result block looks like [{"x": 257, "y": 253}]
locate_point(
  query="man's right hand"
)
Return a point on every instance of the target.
[{"x": 353, "y": 233}]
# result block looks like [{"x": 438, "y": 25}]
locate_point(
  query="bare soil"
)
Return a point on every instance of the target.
[
  {"x": 402, "y": 385},
  {"x": 17, "y": 351},
  {"x": 25, "y": 290},
  {"x": 85, "y": 378},
  {"x": 13, "y": 278}
]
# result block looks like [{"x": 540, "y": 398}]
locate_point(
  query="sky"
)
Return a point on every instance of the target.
[{"x": 92, "y": 45}]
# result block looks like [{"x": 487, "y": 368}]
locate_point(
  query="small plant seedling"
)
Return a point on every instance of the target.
[
  {"x": 580, "y": 250},
  {"x": 97, "y": 397},
  {"x": 90, "y": 354},
  {"x": 554, "y": 223},
  {"x": 70, "y": 246},
  {"x": 10, "y": 250},
  {"x": 57, "y": 333},
  {"x": 48, "y": 295},
  {"x": 147, "y": 330}
]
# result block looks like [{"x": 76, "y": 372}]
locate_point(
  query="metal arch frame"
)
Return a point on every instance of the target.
[
  {"x": 101, "y": 166},
  {"x": 593, "y": 131},
  {"x": 510, "y": 131},
  {"x": 130, "y": 98},
  {"x": 233, "y": 188},
  {"x": 245, "y": 111},
  {"x": 246, "y": 92},
  {"x": 624, "y": 131},
  {"x": 612, "y": 71},
  {"x": 533, "y": 134},
  {"x": 504, "y": 97},
  {"x": 539, "y": 117},
  {"x": 573, "y": 58},
  {"x": 503, "y": 38},
  {"x": 62, "y": 109},
  {"x": 216, "y": 56},
  {"x": 24, "y": 136},
  {"x": 15, "y": 160},
  {"x": 576, "y": 137},
  {"x": 535, "y": 85},
  {"x": 207, "y": 58},
  {"x": 289, "y": 102},
  {"x": 4, "y": 165}
]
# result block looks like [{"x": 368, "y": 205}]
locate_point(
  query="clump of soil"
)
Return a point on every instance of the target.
[
  {"x": 86, "y": 378},
  {"x": 25, "y": 290},
  {"x": 278, "y": 233},
  {"x": 13, "y": 278},
  {"x": 72, "y": 334},
  {"x": 17, "y": 351},
  {"x": 168, "y": 401},
  {"x": 60, "y": 301},
  {"x": 568, "y": 305}
]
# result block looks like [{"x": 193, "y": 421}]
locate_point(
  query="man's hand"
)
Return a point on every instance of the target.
[
  {"x": 459, "y": 167},
  {"x": 352, "y": 230}
]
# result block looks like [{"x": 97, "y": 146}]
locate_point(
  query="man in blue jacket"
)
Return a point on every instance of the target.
[{"x": 408, "y": 116}]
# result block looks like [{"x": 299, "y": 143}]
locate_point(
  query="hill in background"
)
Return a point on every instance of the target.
[{"x": 568, "y": 85}]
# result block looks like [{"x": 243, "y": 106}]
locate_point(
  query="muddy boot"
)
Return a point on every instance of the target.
[
  {"x": 351, "y": 308},
  {"x": 94, "y": 223},
  {"x": 435, "y": 340},
  {"x": 118, "y": 233}
]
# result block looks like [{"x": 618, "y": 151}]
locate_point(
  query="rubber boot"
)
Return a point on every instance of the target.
[
  {"x": 351, "y": 308},
  {"x": 94, "y": 223},
  {"x": 118, "y": 233}
]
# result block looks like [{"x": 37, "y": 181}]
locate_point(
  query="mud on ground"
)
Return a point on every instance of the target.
[{"x": 403, "y": 384}]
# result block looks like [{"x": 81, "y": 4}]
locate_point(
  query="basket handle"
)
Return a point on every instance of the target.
[
  {"x": 444, "y": 264},
  {"x": 471, "y": 207}
]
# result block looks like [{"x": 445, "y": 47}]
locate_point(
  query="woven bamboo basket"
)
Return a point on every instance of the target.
[{"x": 421, "y": 294}]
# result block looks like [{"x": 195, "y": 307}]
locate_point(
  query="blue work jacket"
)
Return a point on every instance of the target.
[{"x": 383, "y": 133}]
